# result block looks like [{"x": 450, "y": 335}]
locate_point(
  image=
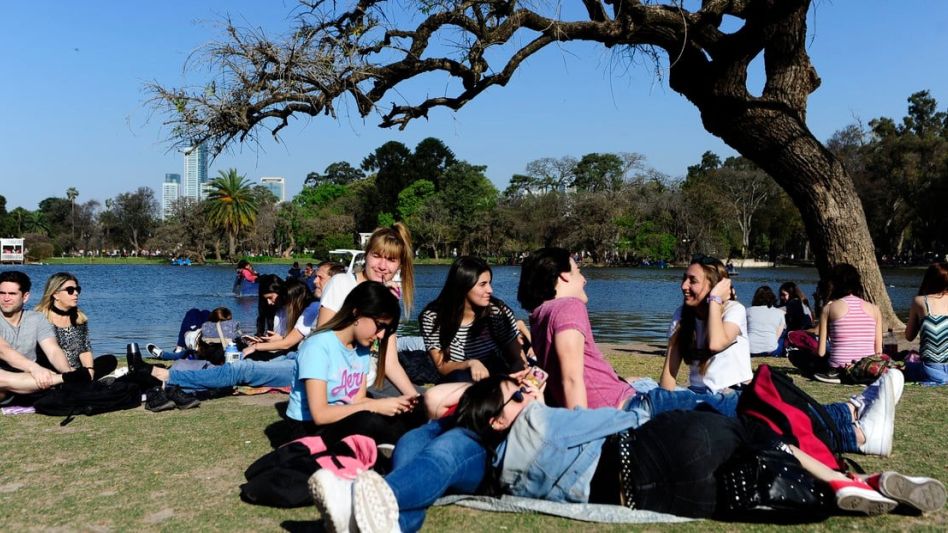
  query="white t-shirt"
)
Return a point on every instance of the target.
[
  {"x": 336, "y": 290},
  {"x": 762, "y": 325},
  {"x": 728, "y": 367}
]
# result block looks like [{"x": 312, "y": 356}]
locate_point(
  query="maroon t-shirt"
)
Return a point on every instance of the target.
[{"x": 603, "y": 387}]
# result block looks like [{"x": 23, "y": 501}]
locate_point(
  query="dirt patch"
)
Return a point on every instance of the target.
[
  {"x": 11, "y": 487},
  {"x": 159, "y": 516}
]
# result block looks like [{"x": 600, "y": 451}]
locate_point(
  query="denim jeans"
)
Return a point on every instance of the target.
[
  {"x": 927, "y": 373},
  {"x": 843, "y": 418},
  {"x": 657, "y": 401},
  {"x": 429, "y": 461},
  {"x": 277, "y": 372}
]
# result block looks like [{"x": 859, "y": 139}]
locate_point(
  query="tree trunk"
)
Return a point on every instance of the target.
[
  {"x": 819, "y": 186},
  {"x": 231, "y": 246},
  {"x": 217, "y": 249}
]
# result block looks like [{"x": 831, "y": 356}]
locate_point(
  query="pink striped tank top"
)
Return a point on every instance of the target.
[{"x": 853, "y": 336}]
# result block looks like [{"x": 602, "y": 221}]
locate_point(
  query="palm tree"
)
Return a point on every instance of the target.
[
  {"x": 35, "y": 222},
  {"x": 71, "y": 194},
  {"x": 231, "y": 205}
]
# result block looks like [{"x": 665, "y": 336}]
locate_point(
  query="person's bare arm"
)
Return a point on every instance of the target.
[
  {"x": 568, "y": 346},
  {"x": 878, "y": 340},
  {"x": 284, "y": 343},
  {"x": 824, "y": 329},
  {"x": 55, "y": 355},
  {"x": 915, "y": 318},
  {"x": 446, "y": 366},
  {"x": 394, "y": 371},
  {"x": 324, "y": 413},
  {"x": 669, "y": 379},
  {"x": 43, "y": 377},
  {"x": 721, "y": 334}
]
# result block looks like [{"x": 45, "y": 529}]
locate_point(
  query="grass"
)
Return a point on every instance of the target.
[{"x": 136, "y": 470}]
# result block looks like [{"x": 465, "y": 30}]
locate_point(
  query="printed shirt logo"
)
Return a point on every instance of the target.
[{"x": 350, "y": 383}]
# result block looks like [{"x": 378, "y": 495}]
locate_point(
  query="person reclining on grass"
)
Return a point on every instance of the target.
[{"x": 22, "y": 333}]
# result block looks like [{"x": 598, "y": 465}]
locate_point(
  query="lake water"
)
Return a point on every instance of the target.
[{"x": 145, "y": 303}]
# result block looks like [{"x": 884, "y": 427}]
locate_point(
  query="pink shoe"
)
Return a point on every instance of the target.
[{"x": 856, "y": 495}]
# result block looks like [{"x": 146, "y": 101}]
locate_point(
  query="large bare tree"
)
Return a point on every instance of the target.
[{"x": 361, "y": 51}]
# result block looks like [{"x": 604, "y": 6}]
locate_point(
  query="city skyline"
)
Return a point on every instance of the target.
[{"x": 571, "y": 100}]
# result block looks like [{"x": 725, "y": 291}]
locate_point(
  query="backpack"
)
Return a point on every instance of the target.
[
  {"x": 71, "y": 399},
  {"x": 868, "y": 369},
  {"x": 772, "y": 403},
  {"x": 279, "y": 478}
]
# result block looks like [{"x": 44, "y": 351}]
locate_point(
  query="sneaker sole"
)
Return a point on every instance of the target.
[
  {"x": 319, "y": 494},
  {"x": 862, "y": 504},
  {"x": 163, "y": 407},
  {"x": 925, "y": 495},
  {"x": 374, "y": 504},
  {"x": 191, "y": 405}
]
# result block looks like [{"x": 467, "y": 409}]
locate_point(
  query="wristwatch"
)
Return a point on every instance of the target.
[{"x": 715, "y": 298}]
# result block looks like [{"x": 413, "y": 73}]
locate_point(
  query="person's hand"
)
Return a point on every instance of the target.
[
  {"x": 478, "y": 370},
  {"x": 395, "y": 287},
  {"x": 43, "y": 377},
  {"x": 722, "y": 289},
  {"x": 251, "y": 348},
  {"x": 392, "y": 406},
  {"x": 272, "y": 336}
]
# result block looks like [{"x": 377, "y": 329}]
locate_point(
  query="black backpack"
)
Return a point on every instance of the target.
[{"x": 71, "y": 399}]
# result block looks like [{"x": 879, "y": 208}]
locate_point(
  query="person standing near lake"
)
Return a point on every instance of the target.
[
  {"x": 928, "y": 319},
  {"x": 60, "y": 305}
]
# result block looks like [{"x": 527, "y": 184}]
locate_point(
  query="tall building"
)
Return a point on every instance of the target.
[
  {"x": 195, "y": 172},
  {"x": 277, "y": 186},
  {"x": 170, "y": 190}
]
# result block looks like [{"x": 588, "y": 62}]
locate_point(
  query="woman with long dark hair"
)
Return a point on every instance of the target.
[
  {"x": 329, "y": 393},
  {"x": 468, "y": 332},
  {"x": 928, "y": 319},
  {"x": 708, "y": 332},
  {"x": 793, "y": 301}
]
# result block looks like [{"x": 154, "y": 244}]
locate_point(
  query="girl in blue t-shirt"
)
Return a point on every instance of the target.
[{"x": 334, "y": 365}]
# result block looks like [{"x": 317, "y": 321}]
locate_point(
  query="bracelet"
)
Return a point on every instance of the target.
[{"x": 715, "y": 298}]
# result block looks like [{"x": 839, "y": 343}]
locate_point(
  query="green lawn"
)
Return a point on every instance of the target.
[{"x": 135, "y": 470}]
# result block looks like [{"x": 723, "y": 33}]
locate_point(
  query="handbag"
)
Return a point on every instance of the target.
[
  {"x": 868, "y": 369},
  {"x": 771, "y": 481}
]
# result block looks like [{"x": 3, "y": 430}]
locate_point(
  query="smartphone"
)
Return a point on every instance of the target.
[
  {"x": 249, "y": 339},
  {"x": 536, "y": 377}
]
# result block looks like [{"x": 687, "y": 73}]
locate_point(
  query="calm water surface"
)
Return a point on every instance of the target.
[{"x": 145, "y": 303}]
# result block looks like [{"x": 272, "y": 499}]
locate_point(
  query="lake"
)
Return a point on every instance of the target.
[{"x": 145, "y": 303}]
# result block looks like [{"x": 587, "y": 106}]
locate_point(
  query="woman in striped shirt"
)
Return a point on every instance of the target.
[
  {"x": 928, "y": 319},
  {"x": 850, "y": 327},
  {"x": 469, "y": 333}
]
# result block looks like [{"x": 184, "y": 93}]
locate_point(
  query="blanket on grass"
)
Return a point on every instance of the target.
[{"x": 586, "y": 512}]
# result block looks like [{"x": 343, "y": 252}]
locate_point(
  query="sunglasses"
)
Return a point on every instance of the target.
[
  {"x": 72, "y": 290},
  {"x": 702, "y": 259},
  {"x": 517, "y": 396},
  {"x": 380, "y": 326}
]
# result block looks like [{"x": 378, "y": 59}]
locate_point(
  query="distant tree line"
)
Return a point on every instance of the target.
[{"x": 611, "y": 207}]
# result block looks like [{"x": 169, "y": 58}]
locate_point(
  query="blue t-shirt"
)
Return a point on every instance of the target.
[{"x": 325, "y": 358}]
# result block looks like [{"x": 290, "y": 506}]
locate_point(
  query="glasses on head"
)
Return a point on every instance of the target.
[
  {"x": 72, "y": 290},
  {"x": 702, "y": 259},
  {"x": 517, "y": 396}
]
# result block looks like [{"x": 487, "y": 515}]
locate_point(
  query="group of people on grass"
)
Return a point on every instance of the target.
[{"x": 574, "y": 431}]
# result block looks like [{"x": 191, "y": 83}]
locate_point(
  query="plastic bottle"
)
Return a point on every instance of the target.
[
  {"x": 890, "y": 345},
  {"x": 232, "y": 353}
]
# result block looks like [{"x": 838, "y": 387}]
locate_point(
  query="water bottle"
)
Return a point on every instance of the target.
[
  {"x": 232, "y": 353},
  {"x": 890, "y": 345}
]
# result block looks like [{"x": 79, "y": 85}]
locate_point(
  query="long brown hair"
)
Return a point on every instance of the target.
[
  {"x": 935, "y": 280},
  {"x": 684, "y": 338},
  {"x": 395, "y": 242}
]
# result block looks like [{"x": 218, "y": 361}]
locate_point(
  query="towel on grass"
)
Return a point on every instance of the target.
[{"x": 586, "y": 512}]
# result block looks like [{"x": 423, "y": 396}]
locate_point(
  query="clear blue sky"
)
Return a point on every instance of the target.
[{"x": 73, "y": 112}]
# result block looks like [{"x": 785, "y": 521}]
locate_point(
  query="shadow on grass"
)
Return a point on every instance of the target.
[{"x": 303, "y": 526}]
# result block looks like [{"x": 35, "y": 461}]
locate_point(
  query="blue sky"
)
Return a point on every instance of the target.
[{"x": 74, "y": 113}]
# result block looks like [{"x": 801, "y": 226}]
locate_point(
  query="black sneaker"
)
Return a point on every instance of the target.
[
  {"x": 830, "y": 376},
  {"x": 156, "y": 401},
  {"x": 181, "y": 399}
]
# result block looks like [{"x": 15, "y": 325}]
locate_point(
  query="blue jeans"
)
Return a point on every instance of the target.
[
  {"x": 843, "y": 418},
  {"x": 277, "y": 372},
  {"x": 430, "y": 461},
  {"x": 927, "y": 373},
  {"x": 659, "y": 400}
]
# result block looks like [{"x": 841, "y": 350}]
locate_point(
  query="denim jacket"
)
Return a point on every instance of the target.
[{"x": 552, "y": 453}]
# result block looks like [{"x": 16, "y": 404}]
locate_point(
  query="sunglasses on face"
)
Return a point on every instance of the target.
[
  {"x": 382, "y": 326},
  {"x": 517, "y": 396},
  {"x": 72, "y": 290}
]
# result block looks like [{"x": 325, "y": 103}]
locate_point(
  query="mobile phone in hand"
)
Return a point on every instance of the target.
[{"x": 536, "y": 377}]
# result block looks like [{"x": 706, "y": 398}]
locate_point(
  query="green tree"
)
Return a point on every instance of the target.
[
  {"x": 413, "y": 197},
  {"x": 134, "y": 215},
  {"x": 604, "y": 172},
  {"x": 71, "y": 194},
  {"x": 231, "y": 206},
  {"x": 338, "y": 173},
  {"x": 468, "y": 196},
  {"x": 709, "y": 47},
  {"x": 392, "y": 164},
  {"x": 429, "y": 161}
]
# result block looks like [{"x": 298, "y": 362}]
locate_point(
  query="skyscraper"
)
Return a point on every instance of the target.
[
  {"x": 170, "y": 190},
  {"x": 195, "y": 172},
  {"x": 276, "y": 185}
]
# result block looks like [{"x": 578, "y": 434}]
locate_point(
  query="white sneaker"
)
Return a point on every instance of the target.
[
  {"x": 333, "y": 498},
  {"x": 374, "y": 504},
  {"x": 857, "y": 496},
  {"x": 878, "y": 418},
  {"x": 870, "y": 394},
  {"x": 154, "y": 350},
  {"x": 922, "y": 493}
]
